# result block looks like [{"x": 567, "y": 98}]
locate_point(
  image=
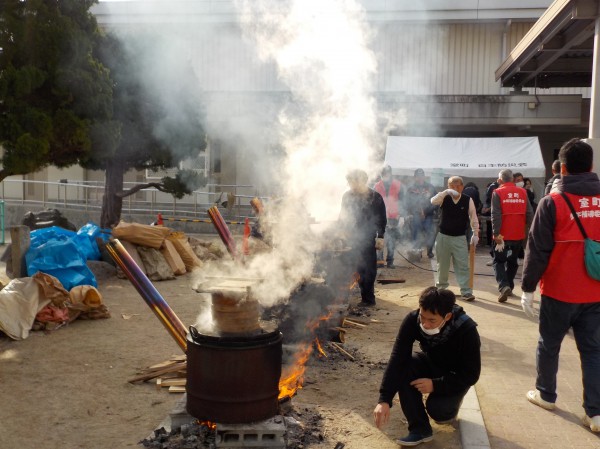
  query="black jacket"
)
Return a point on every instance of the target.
[
  {"x": 458, "y": 358},
  {"x": 363, "y": 217},
  {"x": 540, "y": 242}
]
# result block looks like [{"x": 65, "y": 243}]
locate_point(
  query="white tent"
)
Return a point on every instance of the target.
[{"x": 469, "y": 157}]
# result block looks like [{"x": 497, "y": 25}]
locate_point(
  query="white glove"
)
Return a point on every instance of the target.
[
  {"x": 474, "y": 239},
  {"x": 499, "y": 247},
  {"x": 378, "y": 244},
  {"x": 400, "y": 222},
  {"x": 452, "y": 192},
  {"x": 528, "y": 306}
]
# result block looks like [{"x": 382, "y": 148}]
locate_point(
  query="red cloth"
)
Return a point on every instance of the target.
[
  {"x": 566, "y": 277},
  {"x": 390, "y": 198},
  {"x": 513, "y": 201}
]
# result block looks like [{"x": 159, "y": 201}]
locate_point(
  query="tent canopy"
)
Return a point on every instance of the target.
[{"x": 469, "y": 157}]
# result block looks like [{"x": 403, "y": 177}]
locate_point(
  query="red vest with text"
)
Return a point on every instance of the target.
[
  {"x": 513, "y": 201},
  {"x": 566, "y": 278},
  {"x": 390, "y": 198}
]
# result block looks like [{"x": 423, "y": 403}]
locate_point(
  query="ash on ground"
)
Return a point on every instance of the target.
[{"x": 303, "y": 427}]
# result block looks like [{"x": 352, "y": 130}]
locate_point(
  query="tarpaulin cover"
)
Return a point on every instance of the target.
[
  {"x": 469, "y": 157},
  {"x": 90, "y": 231},
  {"x": 61, "y": 254}
]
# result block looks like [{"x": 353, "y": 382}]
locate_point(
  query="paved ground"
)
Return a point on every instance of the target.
[{"x": 509, "y": 340}]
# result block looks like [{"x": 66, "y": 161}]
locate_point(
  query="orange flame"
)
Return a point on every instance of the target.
[
  {"x": 211, "y": 425},
  {"x": 292, "y": 377},
  {"x": 320, "y": 348}
]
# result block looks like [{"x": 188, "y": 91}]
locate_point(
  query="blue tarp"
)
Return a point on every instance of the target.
[{"x": 63, "y": 254}]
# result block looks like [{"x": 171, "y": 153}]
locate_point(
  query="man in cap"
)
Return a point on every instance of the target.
[
  {"x": 421, "y": 211},
  {"x": 391, "y": 191},
  {"x": 363, "y": 221}
]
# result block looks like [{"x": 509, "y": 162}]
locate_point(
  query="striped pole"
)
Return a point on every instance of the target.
[{"x": 148, "y": 292}]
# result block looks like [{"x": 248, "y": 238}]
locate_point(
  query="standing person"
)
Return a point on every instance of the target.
[
  {"x": 363, "y": 221},
  {"x": 447, "y": 366},
  {"x": 555, "y": 176},
  {"x": 511, "y": 213},
  {"x": 458, "y": 211},
  {"x": 421, "y": 211},
  {"x": 391, "y": 191},
  {"x": 486, "y": 211},
  {"x": 570, "y": 296},
  {"x": 530, "y": 193},
  {"x": 472, "y": 191}
]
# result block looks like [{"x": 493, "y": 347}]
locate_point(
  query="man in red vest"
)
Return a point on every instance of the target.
[
  {"x": 391, "y": 191},
  {"x": 511, "y": 212},
  {"x": 570, "y": 296}
]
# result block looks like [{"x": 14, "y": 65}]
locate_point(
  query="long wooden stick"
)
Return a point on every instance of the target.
[
  {"x": 342, "y": 350},
  {"x": 471, "y": 264}
]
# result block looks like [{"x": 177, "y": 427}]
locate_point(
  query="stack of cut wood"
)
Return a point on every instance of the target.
[{"x": 169, "y": 374}]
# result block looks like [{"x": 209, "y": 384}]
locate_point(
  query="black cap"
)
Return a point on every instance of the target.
[{"x": 419, "y": 172}]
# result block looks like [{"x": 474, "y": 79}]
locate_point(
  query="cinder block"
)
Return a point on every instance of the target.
[{"x": 267, "y": 434}]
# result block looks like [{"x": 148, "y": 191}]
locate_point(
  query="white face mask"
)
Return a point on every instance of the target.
[
  {"x": 434, "y": 331},
  {"x": 520, "y": 184}
]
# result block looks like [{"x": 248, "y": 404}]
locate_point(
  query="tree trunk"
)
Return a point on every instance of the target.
[{"x": 112, "y": 203}]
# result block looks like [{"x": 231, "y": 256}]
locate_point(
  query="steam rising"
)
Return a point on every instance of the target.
[{"x": 323, "y": 125}]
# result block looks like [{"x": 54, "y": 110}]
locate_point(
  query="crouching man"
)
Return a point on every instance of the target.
[{"x": 447, "y": 366}]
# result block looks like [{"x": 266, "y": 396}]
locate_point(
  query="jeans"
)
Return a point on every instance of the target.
[
  {"x": 439, "y": 407},
  {"x": 506, "y": 264},
  {"x": 392, "y": 234},
  {"x": 424, "y": 224},
  {"x": 556, "y": 317}
]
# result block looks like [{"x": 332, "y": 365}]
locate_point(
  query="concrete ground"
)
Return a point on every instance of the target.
[{"x": 509, "y": 341}]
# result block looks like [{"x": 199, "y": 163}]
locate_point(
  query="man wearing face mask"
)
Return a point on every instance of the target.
[
  {"x": 447, "y": 366},
  {"x": 511, "y": 214}
]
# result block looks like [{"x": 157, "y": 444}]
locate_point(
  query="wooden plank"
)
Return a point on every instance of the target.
[
  {"x": 342, "y": 350},
  {"x": 176, "y": 389},
  {"x": 175, "y": 382}
]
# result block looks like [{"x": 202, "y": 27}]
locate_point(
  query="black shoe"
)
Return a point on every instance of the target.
[
  {"x": 390, "y": 265},
  {"x": 366, "y": 304},
  {"x": 430, "y": 254}
]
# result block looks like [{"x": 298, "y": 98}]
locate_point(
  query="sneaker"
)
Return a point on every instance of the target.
[
  {"x": 535, "y": 397},
  {"x": 430, "y": 254},
  {"x": 412, "y": 439},
  {"x": 490, "y": 263},
  {"x": 468, "y": 297},
  {"x": 504, "y": 294},
  {"x": 593, "y": 423},
  {"x": 390, "y": 265}
]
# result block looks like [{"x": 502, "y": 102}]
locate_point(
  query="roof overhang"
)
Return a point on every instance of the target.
[{"x": 557, "y": 51}]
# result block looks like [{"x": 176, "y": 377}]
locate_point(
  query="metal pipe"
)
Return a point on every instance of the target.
[{"x": 148, "y": 292}]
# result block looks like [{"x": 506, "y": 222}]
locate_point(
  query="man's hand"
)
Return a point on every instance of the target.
[
  {"x": 528, "y": 306},
  {"x": 379, "y": 244},
  {"x": 424, "y": 385},
  {"x": 474, "y": 239},
  {"x": 499, "y": 239},
  {"x": 452, "y": 192},
  {"x": 381, "y": 414}
]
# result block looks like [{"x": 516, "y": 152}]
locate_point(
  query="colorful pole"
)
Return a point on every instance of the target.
[
  {"x": 222, "y": 230},
  {"x": 148, "y": 292}
]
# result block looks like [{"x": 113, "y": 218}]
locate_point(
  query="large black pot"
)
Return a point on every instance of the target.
[{"x": 233, "y": 379}]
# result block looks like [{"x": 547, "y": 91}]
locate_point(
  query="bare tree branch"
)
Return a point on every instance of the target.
[{"x": 137, "y": 188}]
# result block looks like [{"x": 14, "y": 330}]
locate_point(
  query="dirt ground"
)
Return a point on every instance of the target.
[{"x": 68, "y": 388}]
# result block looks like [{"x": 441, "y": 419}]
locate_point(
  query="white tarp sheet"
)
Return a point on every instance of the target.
[{"x": 469, "y": 157}]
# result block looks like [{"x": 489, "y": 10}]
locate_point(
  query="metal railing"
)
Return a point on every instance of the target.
[{"x": 87, "y": 195}]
